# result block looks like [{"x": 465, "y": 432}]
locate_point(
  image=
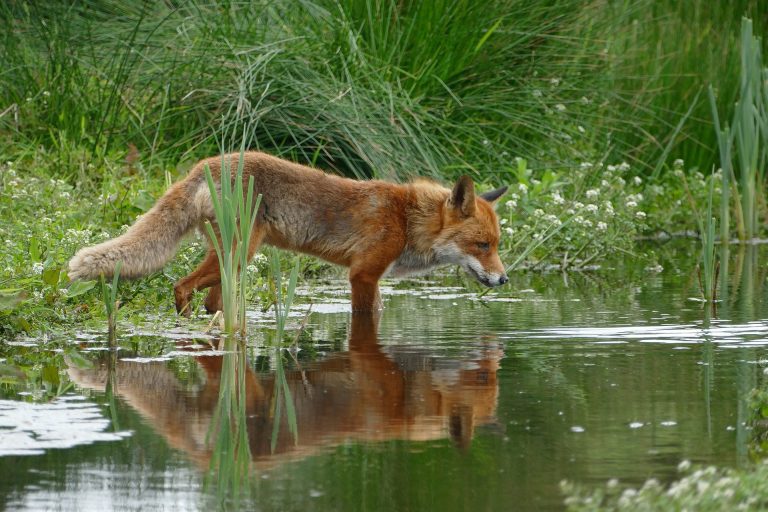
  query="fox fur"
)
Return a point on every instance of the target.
[{"x": 375, "y": 228}]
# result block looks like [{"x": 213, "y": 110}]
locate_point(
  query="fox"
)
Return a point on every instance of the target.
[{"x": 374, "y": 228}]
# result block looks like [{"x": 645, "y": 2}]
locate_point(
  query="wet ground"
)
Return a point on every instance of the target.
[{"x": 447, "y": 402}]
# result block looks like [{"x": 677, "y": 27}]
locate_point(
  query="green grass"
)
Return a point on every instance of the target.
[{"x": 364, "y": 87}]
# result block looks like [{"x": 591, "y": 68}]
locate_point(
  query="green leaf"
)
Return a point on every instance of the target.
[
  {"x": 51, "y": 276},
  {"x": 34, "y": 249},
  {"x": 79, "y": 288},
  {"x": 9, "y": 301}
]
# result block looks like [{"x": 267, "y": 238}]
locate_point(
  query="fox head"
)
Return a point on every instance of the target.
[{"x": 470, "y": 234}]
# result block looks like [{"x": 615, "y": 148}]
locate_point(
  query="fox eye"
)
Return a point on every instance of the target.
[{"x": 483, "y": 246}]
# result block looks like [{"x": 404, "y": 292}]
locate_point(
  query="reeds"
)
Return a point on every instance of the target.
[
  {"x": 235, "y": 211},
  {"x": 708, "y": 271},
  {"x": 744, "y": 141}
]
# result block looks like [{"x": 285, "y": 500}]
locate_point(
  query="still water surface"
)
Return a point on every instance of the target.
[{"x": 446, "y": 403}]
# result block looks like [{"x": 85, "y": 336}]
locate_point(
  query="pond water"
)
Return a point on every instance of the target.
[{"x": 446, "y": 402}]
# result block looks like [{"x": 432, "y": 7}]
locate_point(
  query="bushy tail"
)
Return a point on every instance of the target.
[{"x": 152, "y": 240}]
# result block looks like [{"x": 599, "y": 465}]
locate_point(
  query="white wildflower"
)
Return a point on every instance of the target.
[
  {"x": 538, "y": 212},
  {"x": 537, "y": 93},
  {"x": 554, "y": 82},
  {"x": 592, "y": 208},
  {"x": 638, "y": 180},
  {"x": 605, "y": 184},
  {"x": 602, "y": 226},
  {"x": 631, "y": 204},
  {"x": 684, "y": 466},
  {"x": 509, "y": 231},
  {"x": 523, "y": 188},
  {"x": 37, "y": 268},
  {"x": 592, "y": 193},
  {"x": 560, "y": 107},
  {"x": 510, "y": 204},
  {"x": 623, "y": 166},
  {"x": 557, "y": 198},
  {"x": 640, "y": 215},
  {"x": 503, "y": 222},
  {"x": 586, "y": 165},
  {"x": 581, "y": 129},
  {"x": 578, "y": 205},
  {"x": 611, "y": 168},
  {"x": 678, "y": 163}
]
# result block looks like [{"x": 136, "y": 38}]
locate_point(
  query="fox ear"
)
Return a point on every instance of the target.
[
  {"x": 463, "y": 196},
  {"x": 493, "y": 195}
]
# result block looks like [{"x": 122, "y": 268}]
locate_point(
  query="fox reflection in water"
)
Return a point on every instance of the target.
[{"x": 369, "y": 393}]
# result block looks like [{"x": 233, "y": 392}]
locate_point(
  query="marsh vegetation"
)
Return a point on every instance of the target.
[{"x": 620, "y": 127}]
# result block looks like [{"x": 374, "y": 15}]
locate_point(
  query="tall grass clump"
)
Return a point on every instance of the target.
[
  {"x": 235, "y": 210},
  {"x": 743, "y": 144},
  {"x": 658, "y": 56},
  {"x": 369, "y": 88}
]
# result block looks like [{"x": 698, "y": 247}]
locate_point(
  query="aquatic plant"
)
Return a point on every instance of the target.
[
  {"x": 749, "y": 129},
  {"x": 235, "y": 211},
  {"x": 708, "y": 271}
]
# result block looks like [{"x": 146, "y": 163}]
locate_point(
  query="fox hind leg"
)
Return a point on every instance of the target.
[{"x": 207, "y": 275}]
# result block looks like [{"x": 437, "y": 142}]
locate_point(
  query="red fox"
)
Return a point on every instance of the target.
[{"x": 373, "y": 227}]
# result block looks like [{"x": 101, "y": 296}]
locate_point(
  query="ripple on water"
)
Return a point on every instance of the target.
[{"x": 69, "y": 421}]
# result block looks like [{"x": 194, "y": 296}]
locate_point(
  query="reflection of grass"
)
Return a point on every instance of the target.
[
  {"x": 231, "y": 452},
  {"x": 109, "y": 297},
  {"x": 283, "y": 302}
]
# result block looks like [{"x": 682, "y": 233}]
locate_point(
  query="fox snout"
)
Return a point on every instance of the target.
[{"x": 490, "y": 279}]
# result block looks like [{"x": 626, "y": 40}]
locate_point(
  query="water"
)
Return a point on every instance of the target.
[{"x": 449, "y": 403}]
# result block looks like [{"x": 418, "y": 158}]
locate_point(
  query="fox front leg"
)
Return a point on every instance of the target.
[{"x": 365, "y": 290}]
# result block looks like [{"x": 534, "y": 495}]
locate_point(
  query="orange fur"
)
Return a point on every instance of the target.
[{"x": 372, "y": 227}]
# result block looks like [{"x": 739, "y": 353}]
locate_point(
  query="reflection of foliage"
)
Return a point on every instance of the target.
[
  {"x": 758, "y": 420},
  {"x": 700, "y": 489},
  {"x": 231, "y": 452},
  {"x": 37, "y": 372}
]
